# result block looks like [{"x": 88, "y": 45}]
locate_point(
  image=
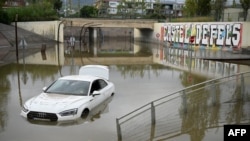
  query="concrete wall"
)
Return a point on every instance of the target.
[
  {"x": 48, "y": 29},
  {"x": 208, "y": 34}
]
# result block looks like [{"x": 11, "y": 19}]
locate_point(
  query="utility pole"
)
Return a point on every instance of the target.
[
  {"x": 16, "y": 37},
  {"x": 65, "y": 8},
  {"x": 79, "y": 6}
]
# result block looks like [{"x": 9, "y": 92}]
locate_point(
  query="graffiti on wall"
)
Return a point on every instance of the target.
[
  {"x": 180, "y": 58},
  {"x": 218, "y": 35}
]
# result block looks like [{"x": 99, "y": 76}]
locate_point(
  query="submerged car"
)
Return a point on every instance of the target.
[{"x": 71, "y": 97}]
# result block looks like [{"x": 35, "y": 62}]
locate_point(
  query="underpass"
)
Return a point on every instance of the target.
[{"x": 121, "y": 23}]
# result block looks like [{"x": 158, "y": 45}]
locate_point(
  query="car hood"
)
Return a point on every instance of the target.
[
  {"x": 95, "y": 70},
  {"x": 55, "y": 103}
]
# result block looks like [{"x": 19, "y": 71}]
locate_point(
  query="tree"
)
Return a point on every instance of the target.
[
  {"x": 245, "y": 4},
  {"x": 4, "y": 18},
  {"x": 88, "y": 11},
  {"x": 157, "y": 10},
  {"x": 203, "y": 7},
  {"x": 218, "y": 8},
  {"x": 122, "y": 8},
  {"x": 1, "y": 3},
  {"x": 143, "y": 6},
  {"x": 197, "y": 7},
  {"x": 190, "y": 7},
  {"x": 57, "y": 5}
]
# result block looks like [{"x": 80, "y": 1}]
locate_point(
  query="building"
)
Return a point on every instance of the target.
[
  {"x": 139, "y": 7},
  {"x": 14, "y": 3}
]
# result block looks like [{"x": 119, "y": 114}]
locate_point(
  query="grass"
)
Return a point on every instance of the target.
[{"x": 194, "y": 19}]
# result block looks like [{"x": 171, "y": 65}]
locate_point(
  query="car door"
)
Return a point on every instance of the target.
[{"x": 98, "y": 92}]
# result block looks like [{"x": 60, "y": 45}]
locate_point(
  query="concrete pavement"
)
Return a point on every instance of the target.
[
  {"x": 5, "y": 46},
  {"x": 8, "y": 42}
]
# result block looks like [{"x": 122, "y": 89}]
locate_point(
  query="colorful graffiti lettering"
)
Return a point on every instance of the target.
[{"x": 206, "y": 35}]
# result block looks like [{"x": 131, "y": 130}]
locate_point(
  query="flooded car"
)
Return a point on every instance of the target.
[
  {"x": 93, "y": 115},
  {"x": 71, "y": 97}
]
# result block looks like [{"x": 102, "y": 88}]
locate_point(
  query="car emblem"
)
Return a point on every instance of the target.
[{"x": 41, "y": 115}]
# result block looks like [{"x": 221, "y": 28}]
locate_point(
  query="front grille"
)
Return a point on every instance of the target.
[{"x": 42, "y": 115}]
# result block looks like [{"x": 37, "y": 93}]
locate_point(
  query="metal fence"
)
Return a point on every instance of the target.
[
  {"x": 234, "y": 16},
  {"x": 212, "y": 103}
]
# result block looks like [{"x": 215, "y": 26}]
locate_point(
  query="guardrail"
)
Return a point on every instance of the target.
[{"x": 209, "y": 102}]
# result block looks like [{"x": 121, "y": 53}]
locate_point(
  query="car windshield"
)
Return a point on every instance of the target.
[{"x": 71, "y": 87}]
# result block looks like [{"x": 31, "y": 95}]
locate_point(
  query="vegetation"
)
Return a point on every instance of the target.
[
  {"x": 194, "y": 19},
  {"x": 88, "y": 12},
  {"x": 4, "y": 18},
  {"x": 218, "y": 9},
  {"x": 45, "y": 10},
  {"x": 1, "y": 3},
  {"x": 197, "y": 8},
  {"x": 245, "y": 4},
  {"x": 57, "y": 5},
  {"x": 157, "y": 11},
  {"x": 34, "y": 12},
  {"x": 3, "y": 14}
]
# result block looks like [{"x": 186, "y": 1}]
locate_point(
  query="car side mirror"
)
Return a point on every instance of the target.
[
  {"x": 95, "y": 93},
  {"x": 44, "y": 88}
]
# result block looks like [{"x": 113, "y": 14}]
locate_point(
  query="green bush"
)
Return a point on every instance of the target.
[
  {"x": 193, "y": 19},
  {"x": 4, "y": 18},
  {"x": 88, "y": 12},
  {"x": 36, "y": 12}
]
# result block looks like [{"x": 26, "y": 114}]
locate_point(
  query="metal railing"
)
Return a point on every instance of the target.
[{"x": 169, "y": 116}]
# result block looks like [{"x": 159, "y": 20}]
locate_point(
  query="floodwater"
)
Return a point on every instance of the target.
[{"x": 138, "y": 79}]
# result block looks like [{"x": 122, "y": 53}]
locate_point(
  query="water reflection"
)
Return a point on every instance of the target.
[
  {"x": 138, "y": 60},
  {"x": 141, "y": 53},
  {"x": 191, "y": 112},
  {"x": 5, "y": 89},
  {"x": 185, "y": 59},
  {"x": 197, "y": 122},
  {"x": 59, "y": 56},
  {"x": 140, "y": 70}
]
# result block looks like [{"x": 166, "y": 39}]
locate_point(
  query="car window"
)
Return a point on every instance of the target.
[
  {"x": 98, "y": 85},
  {"x": 95, "y": 86},
  {"x": 102, "y": 83},
  {"x": 73, "y": 87}
]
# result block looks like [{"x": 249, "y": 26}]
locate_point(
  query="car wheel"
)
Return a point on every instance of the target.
[{"x": 85, "y": 113}]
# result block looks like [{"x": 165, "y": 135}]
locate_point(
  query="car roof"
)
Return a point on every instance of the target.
[{"x": 89, "y": 78}]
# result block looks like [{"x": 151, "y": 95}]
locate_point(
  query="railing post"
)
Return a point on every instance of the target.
[
  {"x": 152, "y": 113},
  {"x": 242, "y": 87},
  {"x": 58, "y": 31},
  {"x": 152, "y": 121},
  {"x": 184, "y": 101},
  {"x": 118, "y": 128},
  {"x": 213, "y": 93},
  {"x": 81, "y": 34}
]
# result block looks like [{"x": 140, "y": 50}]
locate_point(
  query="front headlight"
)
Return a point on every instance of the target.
[
  {"x": 25, "y": 109},
  {"x": 69, "y": 112}
]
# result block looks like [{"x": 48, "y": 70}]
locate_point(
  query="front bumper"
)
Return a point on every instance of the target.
[{"x": 32, "y": 115}]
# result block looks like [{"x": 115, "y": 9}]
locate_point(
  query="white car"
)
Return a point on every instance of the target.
[{"x": 71, "y": 97}]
